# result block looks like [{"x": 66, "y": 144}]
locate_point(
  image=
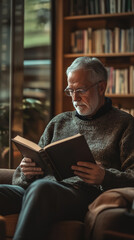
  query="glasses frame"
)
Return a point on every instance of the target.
[{"x": 80, "y": 91}]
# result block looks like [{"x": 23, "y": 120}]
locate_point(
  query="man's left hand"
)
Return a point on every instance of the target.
[{"x": 89, "y": 172}]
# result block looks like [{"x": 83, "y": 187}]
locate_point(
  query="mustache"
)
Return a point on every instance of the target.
[{"x": 77, "y": 104}]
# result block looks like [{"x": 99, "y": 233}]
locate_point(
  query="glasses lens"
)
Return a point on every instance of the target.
[{"x": 68, "y": 92}]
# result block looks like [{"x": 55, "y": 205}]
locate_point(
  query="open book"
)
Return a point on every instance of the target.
[{"x": 60, "y": 155}]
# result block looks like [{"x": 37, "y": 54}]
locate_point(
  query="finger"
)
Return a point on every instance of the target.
[
  {"x": 82, "y": 175},
  {"x": 28, "y": 160},
  {"x": 89, "y": 181},
  {"x": 31, "y": 169},
  {"x": 25, "y": 164},
  {"x": 99, "y": 163},
  {"x": 30, "y": 174},
  {"x": 86, "y": 164},
  {"x": 82, "y": 169},
  {"x": 85, "y": 177}
]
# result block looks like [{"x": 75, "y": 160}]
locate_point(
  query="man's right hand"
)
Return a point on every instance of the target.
[{"x": 29, "y": 168}]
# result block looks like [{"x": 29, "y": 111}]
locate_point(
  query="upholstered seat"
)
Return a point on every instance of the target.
[
  {"x": 65, "y": 230},
  {"x": 11, "y": 221}
]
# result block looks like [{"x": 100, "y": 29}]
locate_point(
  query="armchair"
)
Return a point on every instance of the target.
[{"x": 110, "y": 223}]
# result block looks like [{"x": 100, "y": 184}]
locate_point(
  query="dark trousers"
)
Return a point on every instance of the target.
[{"x": 43, "y": 203}]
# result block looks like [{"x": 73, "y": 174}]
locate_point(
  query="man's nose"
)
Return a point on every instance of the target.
[{"x": 75, "y": 96}]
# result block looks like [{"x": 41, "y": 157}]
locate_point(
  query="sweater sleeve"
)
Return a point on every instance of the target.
[
  {"x": 118, "y": 179},
  {"x": 125, "y": 176}
]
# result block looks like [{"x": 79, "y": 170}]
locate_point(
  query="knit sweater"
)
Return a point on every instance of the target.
[{"x": 110, "y": 137}]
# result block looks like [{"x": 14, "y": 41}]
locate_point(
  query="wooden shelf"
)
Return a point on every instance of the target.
[
  {"x": 75, "y": 55},
  {"x": 94, "y": 16},
  {"x": 120, "y": 95}
]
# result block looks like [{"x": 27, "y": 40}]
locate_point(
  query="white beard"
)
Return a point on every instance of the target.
[{"x": 86, "y": 109}]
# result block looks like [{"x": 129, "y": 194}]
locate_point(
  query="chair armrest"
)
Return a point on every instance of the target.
[
  {"x": 6, "y": 175},
  {"x": 2, "y": 228}
]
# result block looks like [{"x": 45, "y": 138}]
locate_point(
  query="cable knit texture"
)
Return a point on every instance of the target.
[{"x": 110, "y": 137}]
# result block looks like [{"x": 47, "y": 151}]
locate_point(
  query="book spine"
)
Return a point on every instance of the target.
[
  {"x": 120, "y": 81},
  {"x": 46, "y": 158},
  {"x": 44, "y": 164},
  {"x": 112, "y": 6},
  {"x": 81, "y": 7}
]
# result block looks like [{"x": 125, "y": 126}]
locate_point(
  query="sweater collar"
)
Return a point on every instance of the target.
[{"x": 104, "y": 109}]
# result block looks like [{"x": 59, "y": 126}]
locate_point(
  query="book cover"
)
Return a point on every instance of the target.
[{"x": 61, "y": 155}]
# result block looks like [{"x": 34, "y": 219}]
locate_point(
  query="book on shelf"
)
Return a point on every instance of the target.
[
  {"x": 117, "y": 87},
  {"x": 117, "y": 40},
  {"x": 119, "y": 81},
  {"x": 89, "y": 40},
  {"x": 131, "y": 79},
  {"x": 60, "y": 155},
  {"x": 112, "y": 8},
  {"x": 78, "y": 7},
  {"x": 122, "y": 82},
  {"x": 102, "y": 40},
  {"x": 111, "y": 81},
  {"x": 81, "y": 7}
]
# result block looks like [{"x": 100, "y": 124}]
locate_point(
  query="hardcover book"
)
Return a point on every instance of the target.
[{"x": 60, "y": 155}]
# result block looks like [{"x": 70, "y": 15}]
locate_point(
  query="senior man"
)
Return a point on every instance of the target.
[{"x": 109, "y": 132}]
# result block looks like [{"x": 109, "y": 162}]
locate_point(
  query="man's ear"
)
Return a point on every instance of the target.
[{"x": 102, "y": 87}]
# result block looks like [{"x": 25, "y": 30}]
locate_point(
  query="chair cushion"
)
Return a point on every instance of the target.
[
  {"x": 11, "y": 221},
  {"x": 67, "y": 230}
]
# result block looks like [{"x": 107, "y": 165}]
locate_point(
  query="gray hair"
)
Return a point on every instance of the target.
[{"x": 89, "y": 64}]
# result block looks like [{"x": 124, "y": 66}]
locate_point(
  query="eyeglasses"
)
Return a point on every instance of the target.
[{"x": 81, "y": 92}]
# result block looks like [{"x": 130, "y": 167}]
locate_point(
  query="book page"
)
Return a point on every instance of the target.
[
  {"x": 62, "y": 140},
  {"x": 27, "y": 142}
]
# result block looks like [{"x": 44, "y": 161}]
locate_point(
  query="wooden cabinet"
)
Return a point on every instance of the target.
[{"x": 118, "y": 59}]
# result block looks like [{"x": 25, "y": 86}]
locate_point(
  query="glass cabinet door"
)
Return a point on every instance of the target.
[
  {"x": 37, "y": 87},
  {"x": 5, "y": 81},
  {"x": 11, "y": 75},
  {"x": 26, "y": 89}
]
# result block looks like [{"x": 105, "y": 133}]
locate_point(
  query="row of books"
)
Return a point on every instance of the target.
[
  {"x": 120, "y": 81},
  {"x": 102, "y": 40},
  {"x": 82, "y": 7}
]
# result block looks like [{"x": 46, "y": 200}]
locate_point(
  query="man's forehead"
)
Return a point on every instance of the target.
[
  {"x": 80, "y": 76},
  {"x": 80, "y": 72}
]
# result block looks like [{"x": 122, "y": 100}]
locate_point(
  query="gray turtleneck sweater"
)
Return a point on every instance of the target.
[{"x": 110, "y": 137}]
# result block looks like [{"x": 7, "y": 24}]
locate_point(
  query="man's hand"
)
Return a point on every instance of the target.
[
  {"x": 89, "y": 172},
  {"x": 29, "y": 168}
]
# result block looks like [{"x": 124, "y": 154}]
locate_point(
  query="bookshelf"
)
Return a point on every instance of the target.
[{"x": 118, "y": 58}]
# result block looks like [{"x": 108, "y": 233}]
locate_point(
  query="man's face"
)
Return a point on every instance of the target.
[{"x": 89, "y": 102}]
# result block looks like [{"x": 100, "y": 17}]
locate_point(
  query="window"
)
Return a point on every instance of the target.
[
  {"x": 26, "y": 66},
  {"x": 37, "y": 88}
]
